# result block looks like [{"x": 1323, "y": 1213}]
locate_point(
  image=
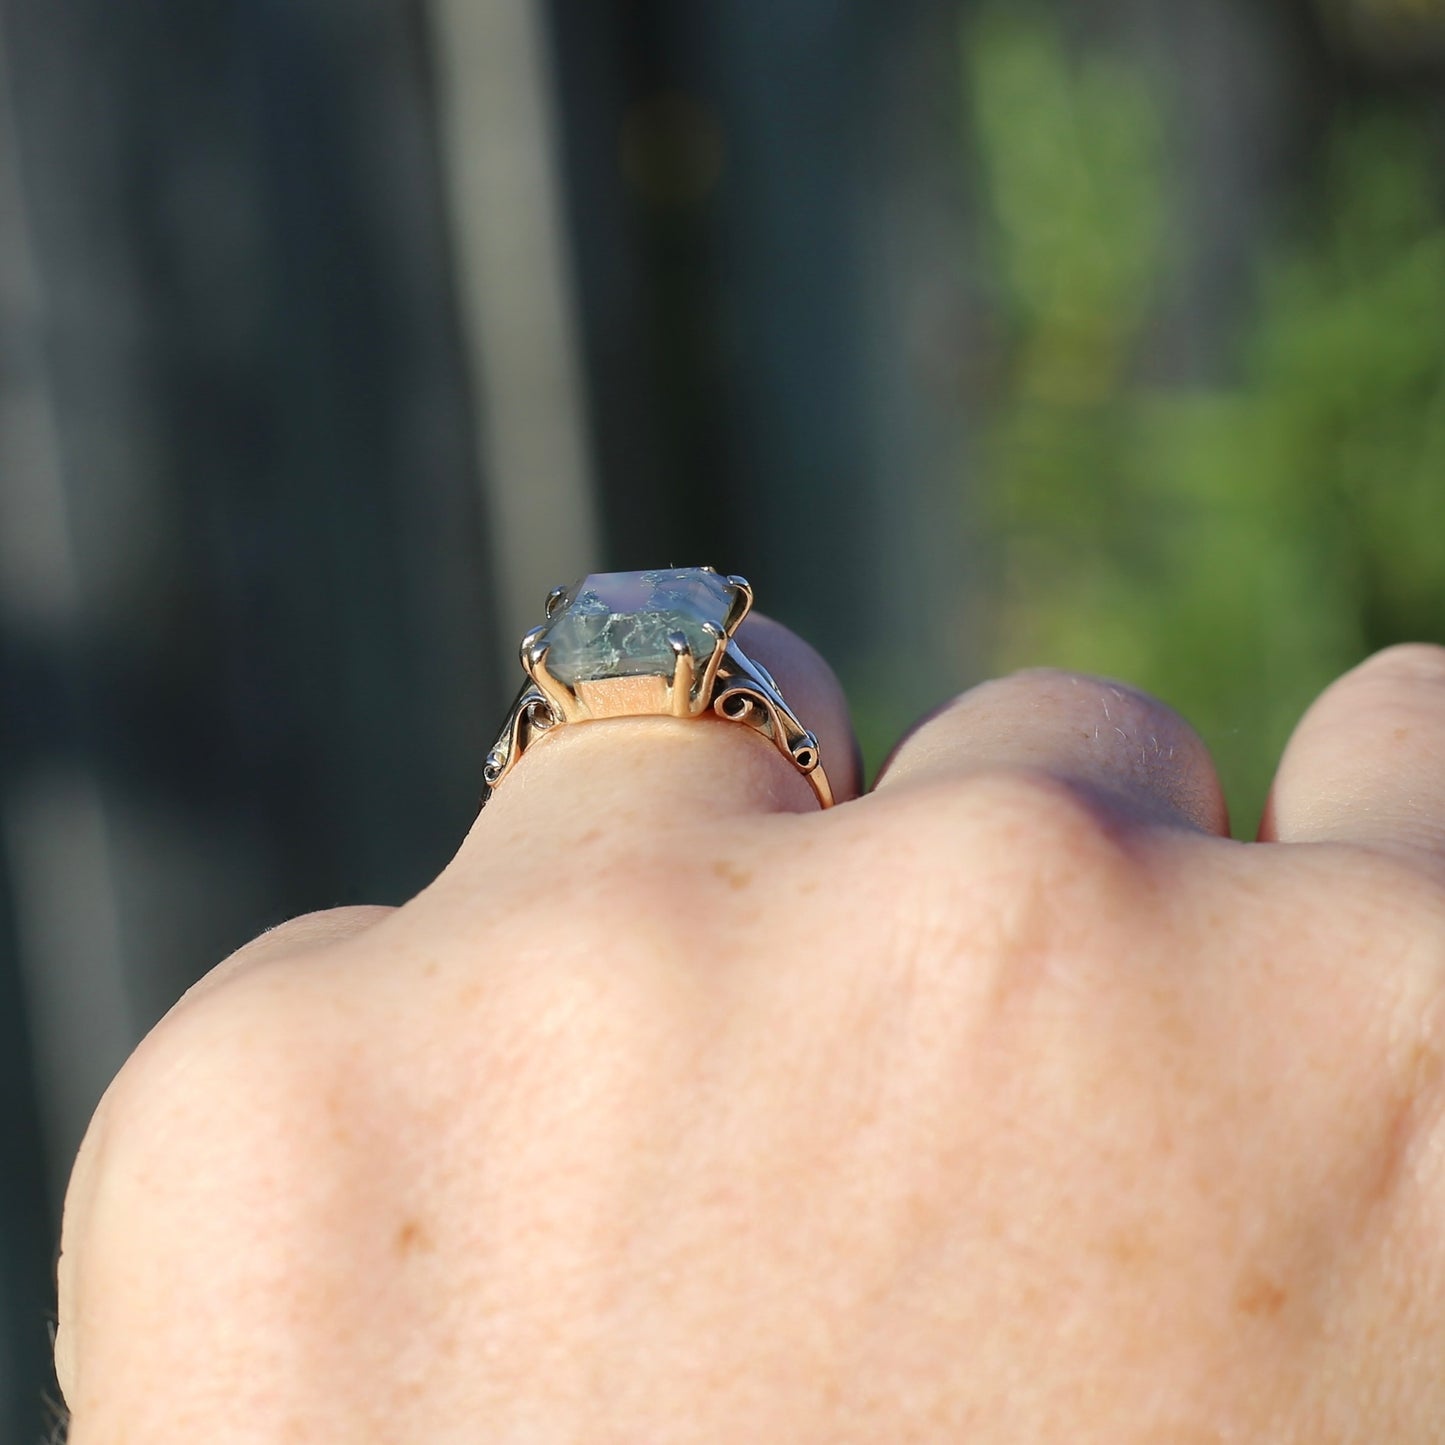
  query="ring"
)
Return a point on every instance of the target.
[{"x": 648, "y": 644}]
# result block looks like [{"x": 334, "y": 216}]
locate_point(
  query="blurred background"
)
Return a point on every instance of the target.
[{"x": 978, "y": 333}]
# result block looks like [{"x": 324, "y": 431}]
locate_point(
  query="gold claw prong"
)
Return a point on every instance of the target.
[
  {"x": 554, "y": 600},
  {"x": 529, "y": 647},
  {"x": 534, "y": 663},
  {"x": 715, "y": 657},
  {"x": 684, "y": 671},
  {"x": 742, "y": 602}
]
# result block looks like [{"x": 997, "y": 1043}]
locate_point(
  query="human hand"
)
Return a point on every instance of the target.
[{"x": 1010, "y": 1102}]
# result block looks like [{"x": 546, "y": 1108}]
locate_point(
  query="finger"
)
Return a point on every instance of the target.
[
  {"x": 1109, "y": 741},
  {"x": 658, "y": 766},
  {"x": 1366, "y": 764}
]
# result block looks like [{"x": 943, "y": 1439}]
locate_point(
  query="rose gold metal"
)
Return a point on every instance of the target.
[
  {"x": 742, "y": 602},
  {"x": 680, "y": 690}
]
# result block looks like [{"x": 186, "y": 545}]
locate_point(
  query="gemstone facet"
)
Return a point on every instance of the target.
[{"x": 616, "y": 624}]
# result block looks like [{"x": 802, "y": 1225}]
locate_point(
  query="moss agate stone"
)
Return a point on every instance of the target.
[{"x": 616, "y": 624}]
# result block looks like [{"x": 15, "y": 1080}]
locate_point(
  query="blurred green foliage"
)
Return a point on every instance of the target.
[{"x": 1231, "y": 549}]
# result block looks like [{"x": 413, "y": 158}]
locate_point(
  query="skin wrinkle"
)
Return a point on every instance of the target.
[{"x": 1415, "y": 1115}]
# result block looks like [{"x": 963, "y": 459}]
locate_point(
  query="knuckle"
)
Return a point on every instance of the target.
[
  {"x": 221, "y": 1091},
  {"x": 219, "y": 1165},
  {"x": 1073, "y": 691},
  {"x": 325, "y": 925},
  {"x": 1016, "y": 869},
  {"x": 296, "y": 936},
  {"x": 1040, "y": 828}
]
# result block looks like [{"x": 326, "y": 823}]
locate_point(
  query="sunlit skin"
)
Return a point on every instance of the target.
[{"x": 1010, "y": 1102}]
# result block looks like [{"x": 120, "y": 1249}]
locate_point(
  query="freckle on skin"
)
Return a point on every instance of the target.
[
  {"x": 1130, "y": 1247},
  {"x": 1401, "y": 734},
  {"x": 1260, "y": 1296},
  {"x": 411, "y": 1238},
  {"x": 731, "y": 874}
]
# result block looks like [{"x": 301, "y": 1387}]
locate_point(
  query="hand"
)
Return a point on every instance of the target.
[{"x": 1010, "y": 1102}]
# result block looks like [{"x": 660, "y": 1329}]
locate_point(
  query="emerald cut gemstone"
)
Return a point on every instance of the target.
[{"x": 616, "y": 624}]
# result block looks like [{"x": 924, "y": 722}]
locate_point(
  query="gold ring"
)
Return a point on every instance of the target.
[{"x": 648, "y": 644}]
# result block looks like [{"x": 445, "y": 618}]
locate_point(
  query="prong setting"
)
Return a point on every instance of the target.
[
  {"x": 742, "y": 602},
  {"x": 528, "y": 648},
  {"x": 559, "y": 698},
  {"x": 684, "y": 671},
  {"x": 555, "y": 599},
  {"x": 714, "y": 662}
]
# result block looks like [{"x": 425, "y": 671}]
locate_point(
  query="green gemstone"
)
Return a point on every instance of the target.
[{"x": 616, "y": 624}]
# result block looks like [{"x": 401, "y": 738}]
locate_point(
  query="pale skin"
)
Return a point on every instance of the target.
[{"x": 1011, "y": 1102}]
